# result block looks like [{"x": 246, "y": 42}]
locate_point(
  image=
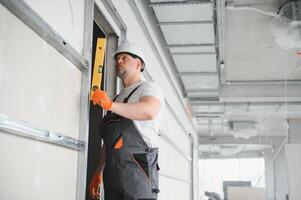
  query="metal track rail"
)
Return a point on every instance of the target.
[{"x": 25, "y": 129}]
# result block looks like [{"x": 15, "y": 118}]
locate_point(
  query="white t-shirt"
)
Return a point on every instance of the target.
[{"x": 148, "y": 128}]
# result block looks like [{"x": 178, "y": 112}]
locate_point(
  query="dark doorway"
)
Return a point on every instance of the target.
[{"x": 96, "y": 112}]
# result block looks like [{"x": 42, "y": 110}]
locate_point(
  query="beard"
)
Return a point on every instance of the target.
[{"x": 122, "y": 74}]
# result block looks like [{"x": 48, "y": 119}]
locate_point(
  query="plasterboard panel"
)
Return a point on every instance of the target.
[
  {"x": 48, "y": 85},
  {"x": 36, "y": 167},
  {"x": 200, "y": 82},
  {"x": 188, "y": 33},
  {"x": 195, "y": 63},
  {"x": 192, "y": 49},
  {"x": 65, "y": 17},
  {"x": 42, "y": 79},
  {"x": 189, "y": 12}
]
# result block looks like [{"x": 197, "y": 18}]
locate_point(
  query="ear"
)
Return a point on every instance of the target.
[{"x": 139, "y": 64}]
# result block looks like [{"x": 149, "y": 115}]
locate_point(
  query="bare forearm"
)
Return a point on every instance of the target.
[
  {"x": 146, "y": 109},
  {"x": 134, "y": 111},
  {"x": 102, "y": 159}
]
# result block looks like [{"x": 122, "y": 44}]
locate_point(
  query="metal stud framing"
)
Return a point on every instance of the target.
[{"x": 84, "y": 101}]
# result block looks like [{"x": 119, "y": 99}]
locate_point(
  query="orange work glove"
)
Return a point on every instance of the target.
[
  {"x": 94, "y": 186},
  {"x": 101, "y": 98}
]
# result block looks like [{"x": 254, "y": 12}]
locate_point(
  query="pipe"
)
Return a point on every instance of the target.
[
  {"x": 263, "y": 82},
  {"x": 244, "y": 7},
  {"x": 192, "y": 166},
  {"x": 220, "y": 20}
]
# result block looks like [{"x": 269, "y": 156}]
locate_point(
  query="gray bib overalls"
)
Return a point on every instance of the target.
[{"x": 131, "y": 169}]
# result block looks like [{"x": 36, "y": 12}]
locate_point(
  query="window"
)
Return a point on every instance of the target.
[{"x": 213, "y": 172}]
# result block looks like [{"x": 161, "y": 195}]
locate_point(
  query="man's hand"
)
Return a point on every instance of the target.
[
  {"x": 94, "y": 186},
  {"x": 101, "y": 98}
]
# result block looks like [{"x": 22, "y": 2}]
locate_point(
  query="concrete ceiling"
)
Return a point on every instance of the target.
[
  {"x": 251, "y": 51},
  {"x": 231, "y": 67}
]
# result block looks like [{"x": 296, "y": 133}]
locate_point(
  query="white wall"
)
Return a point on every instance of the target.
[
  {"x": 285, "y": 170},
  {"x": 292, "y": 152},
  {"x": 280, "y": 176},
  {"x": 269, "y": 175},
  {"x": 294, "y": 130},
  {"x": 37, "y": 85},
  {"x": 65, "y": 17}
]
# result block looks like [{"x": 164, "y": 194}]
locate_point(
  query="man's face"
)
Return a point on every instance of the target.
[{"x": 126, "y": 65}]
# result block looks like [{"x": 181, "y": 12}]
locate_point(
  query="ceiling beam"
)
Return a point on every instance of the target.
[
  {"x": 177, "y": 3},
  {"x": 191, "y": 45},
  {"x": 260, "y": 93},
  {"x": 204, "y": 99},
  {"x": 198, "y": 73},
  {"x": 243, "y": 154},
  {"x": 193, "y": 53},
  {"x": 208, "y": 113},
  {"x": 209, "y": 116},
  {"x": 218, "y": 140},
  {"x": 175, "y": 23},
  {"x": 200, "y": 90},
  {"x": 264, "y": 82}
]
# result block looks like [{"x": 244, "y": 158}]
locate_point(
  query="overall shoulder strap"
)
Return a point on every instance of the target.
[
  {"x": 115, "y": 98},
  {"x": 128, "y": 97}
]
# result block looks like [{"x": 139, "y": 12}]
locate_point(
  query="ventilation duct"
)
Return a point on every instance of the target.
[
  {"x": 286, "y": 26},
  {"x": 242, "y": 125},
  {"x": 243, "y": 129}
]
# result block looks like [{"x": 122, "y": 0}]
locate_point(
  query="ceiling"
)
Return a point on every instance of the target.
[{"x": 238, "y": 80}]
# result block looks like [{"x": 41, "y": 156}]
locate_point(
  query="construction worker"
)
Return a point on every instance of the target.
[{"x": 130, "y": 132}]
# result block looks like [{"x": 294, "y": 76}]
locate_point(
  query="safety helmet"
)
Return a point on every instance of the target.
[{"x": 132, "y": 50}]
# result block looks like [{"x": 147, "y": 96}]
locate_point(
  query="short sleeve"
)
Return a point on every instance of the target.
[{"x": 152, "y": 89}]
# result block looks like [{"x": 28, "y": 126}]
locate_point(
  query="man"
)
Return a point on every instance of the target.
[{"x": 130, "y": 132}]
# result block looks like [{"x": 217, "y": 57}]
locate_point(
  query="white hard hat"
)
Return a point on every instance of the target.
[{"x": 133, "y": 50}]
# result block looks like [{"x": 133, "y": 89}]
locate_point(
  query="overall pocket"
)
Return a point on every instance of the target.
[
  {"x": 141, "y": 160},
  {"x": 148, "y": 164}
]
